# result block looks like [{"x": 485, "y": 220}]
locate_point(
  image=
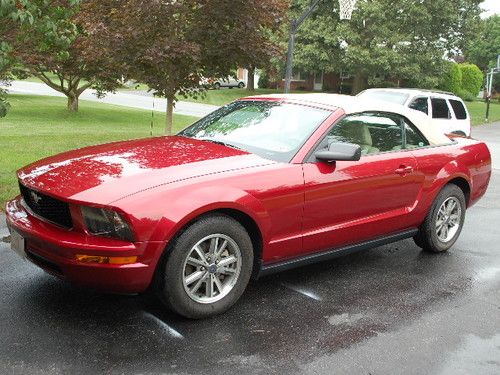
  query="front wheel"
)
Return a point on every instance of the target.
[
  {"x": 444, "y": 222},
  {"x": 208, "y": 268}
]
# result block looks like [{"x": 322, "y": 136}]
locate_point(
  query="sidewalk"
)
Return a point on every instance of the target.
[{"x": 131, "y": 99}]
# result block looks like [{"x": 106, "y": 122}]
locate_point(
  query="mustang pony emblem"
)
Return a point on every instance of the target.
[{"x": 36, "y": 198}]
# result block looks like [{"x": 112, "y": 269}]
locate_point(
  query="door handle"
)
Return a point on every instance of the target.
[{"x": 403, "y": 170}]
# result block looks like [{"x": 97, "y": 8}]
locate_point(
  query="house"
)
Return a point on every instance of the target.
[{"x": 319, "y": 81}]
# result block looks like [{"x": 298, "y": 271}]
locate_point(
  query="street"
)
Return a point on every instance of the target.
[
  {"x": 132, "y": 99},
  {"x": 390, "y": 310}
]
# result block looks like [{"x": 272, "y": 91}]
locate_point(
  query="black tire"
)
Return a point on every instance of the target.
[
  {"x": 427, "y": 237},
  {"x": 241, "y": 85},
  {"x": 169, "y": 286},
  {"x": 217, "y": 85}
]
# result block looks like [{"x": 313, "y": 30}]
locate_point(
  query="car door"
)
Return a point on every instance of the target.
[
  {"x": 351, "y": 201},
  {"x": 461, "y": 117},
  {"x": 441, "y": 115}
]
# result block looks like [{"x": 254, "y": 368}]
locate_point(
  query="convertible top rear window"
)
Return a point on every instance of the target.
[{"x": 270, "y": 129}]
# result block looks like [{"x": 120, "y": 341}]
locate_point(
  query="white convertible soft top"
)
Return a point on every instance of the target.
[{"x": 354, "y": 104}]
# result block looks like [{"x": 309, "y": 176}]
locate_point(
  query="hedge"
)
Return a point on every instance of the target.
[{"x": 472, "y": 78}]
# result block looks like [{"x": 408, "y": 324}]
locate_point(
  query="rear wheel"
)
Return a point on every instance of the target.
[
  {"x": 241, "y": 85},
  {"x": 444, "y": 222},
  {"x": 217, "y": 85},
  {"x": 208, "y": 268}
]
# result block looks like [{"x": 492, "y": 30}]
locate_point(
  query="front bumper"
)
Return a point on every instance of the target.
[{"x": 54, "y": 249}]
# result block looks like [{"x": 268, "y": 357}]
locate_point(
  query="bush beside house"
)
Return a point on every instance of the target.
[{"x": 464, "y": 80}]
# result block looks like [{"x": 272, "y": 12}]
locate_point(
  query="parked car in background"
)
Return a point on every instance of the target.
[
  {"x": 217, "y": 83},
  {"x": 447, "y": 111},
  {"x": 263, "y": 184}
]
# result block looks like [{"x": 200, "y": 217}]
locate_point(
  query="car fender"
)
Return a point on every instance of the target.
[{"x": 184, "y": 204}]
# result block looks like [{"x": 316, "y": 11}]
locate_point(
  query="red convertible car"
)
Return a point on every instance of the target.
[{"x": 261, "y": 185}]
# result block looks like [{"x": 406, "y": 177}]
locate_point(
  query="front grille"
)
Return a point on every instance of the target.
[{"x": 48, "y": 208}]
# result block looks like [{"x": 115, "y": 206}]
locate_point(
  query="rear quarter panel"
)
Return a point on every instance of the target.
[{"x": 464, "y": 158}]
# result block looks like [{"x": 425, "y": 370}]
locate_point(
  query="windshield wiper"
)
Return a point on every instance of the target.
[{"x": 220, "y": 143}]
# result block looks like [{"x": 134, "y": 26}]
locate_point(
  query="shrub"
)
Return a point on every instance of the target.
[
  {"x": 451, "y": 80},
  {"x": 466, "y": 95},
  {"x": 472, "y": 78},
  {"x": 263, "y": 80}
]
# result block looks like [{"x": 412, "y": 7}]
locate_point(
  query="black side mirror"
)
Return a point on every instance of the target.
[{"x": 340, "y": 152}]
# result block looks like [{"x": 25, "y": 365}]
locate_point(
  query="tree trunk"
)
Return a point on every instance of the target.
[
  {"x": 170, "y": 115},
  {"x": 359, "y": 83},
  {"x": 72, "y": 102},
  {"x": 251, "y": 78}
]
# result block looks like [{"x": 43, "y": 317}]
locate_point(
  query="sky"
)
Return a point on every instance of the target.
[{"x": 490, "y": 7}]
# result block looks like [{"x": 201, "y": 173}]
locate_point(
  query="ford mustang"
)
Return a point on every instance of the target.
[{"x": 261, "y": 185}]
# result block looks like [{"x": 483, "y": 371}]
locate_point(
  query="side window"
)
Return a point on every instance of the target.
[
  {"x": 420, "y": 104},
  {"x": 458, "y": 109},
  {"x": 413, "y": 137},
  {"x": 440, "y": 108},
  {"x": 374, "y": 133}
]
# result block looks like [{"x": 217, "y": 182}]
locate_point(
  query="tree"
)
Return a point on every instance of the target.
[
  {"x": 172, "y": 45},
  {"x": 385, "y": 40},
  {"x": 68, "y": 54},
  {"x": 14, "y": 17},
  {"x": 483, "y": 48}
]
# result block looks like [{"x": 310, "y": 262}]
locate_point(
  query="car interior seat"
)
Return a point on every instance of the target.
[{"x": 358, "y": 133}]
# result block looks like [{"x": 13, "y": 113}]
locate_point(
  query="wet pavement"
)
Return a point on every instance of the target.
[{"x": 389, "y": 310}]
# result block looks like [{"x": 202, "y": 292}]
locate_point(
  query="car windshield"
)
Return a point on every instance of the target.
[
  {"x": 386, "y": 96},
  {"x": 270, "y": 129}
]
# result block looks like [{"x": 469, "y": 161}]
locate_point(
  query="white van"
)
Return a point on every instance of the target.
[{"x": 447, "y": 111}]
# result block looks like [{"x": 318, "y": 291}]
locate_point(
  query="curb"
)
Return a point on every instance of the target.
[{"x": 4, "y": 233}]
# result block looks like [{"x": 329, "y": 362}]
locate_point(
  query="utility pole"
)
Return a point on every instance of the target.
[
  {"x": 294, "y": 27},
  {"x": 489, "y": 86}
]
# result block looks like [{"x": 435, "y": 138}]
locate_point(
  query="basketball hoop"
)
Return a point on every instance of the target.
[{"x": 346, "y": 7}]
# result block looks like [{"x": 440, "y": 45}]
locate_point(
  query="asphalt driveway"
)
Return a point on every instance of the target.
[{"x": 389, "y": 310}]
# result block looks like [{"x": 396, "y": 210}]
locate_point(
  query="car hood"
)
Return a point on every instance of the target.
[{"x": 105, "y": 173}]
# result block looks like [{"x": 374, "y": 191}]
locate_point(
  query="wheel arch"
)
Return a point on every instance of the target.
[
  {"x": 464, "y": 185},
  {"x": 246, "y": 220}
]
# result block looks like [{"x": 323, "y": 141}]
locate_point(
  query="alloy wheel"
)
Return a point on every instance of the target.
[
  {"x": 448, "y": 219},
  {"x": 211, "y": 268}
]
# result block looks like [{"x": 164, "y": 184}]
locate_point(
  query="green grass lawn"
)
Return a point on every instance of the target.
[
  {"x": 477, "y": 111},
  {"x": 39, "y": 126}
]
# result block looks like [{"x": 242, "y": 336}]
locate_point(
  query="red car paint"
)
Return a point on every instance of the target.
[{"x": 161, "y": 184}]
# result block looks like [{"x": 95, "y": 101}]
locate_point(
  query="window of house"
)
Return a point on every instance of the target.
[
  {"x": 458, "y": 109},
  {"x": 296, "y": 76},
  {"x": 440, "y": 108}
]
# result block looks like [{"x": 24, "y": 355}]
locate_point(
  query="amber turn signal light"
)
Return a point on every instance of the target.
[{"x": 105, "y": 260}]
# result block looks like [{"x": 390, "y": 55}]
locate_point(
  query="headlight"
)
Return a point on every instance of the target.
[{"x": 106, "y": 222}]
